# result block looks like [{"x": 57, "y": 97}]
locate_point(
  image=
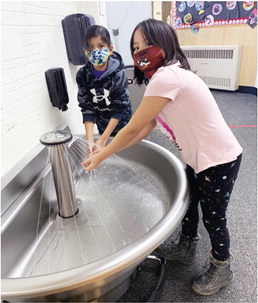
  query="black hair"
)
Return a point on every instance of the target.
[
  {"x": 96, "y": 31},
  {"x": 159, "y": 33}
]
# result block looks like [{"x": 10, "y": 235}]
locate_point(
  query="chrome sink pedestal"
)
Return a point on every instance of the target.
[{"x": 57, "y": 144}]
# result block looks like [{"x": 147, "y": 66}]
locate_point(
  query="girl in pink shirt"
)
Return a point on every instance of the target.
[{"x": 184, "y": 108}]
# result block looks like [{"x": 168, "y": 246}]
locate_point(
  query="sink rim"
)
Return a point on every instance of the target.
[{"x": 124, "y": 259}]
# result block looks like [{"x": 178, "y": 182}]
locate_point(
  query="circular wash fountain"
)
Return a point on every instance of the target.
[{"x": 117, "y": 215}]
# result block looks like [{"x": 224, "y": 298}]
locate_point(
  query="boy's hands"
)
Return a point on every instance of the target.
[
  {"x": 94, "y": 159},
  {"x": 101, "y": 143},
  {"x": 95, "y": 147},
  {"x": 90, "y": 147}
]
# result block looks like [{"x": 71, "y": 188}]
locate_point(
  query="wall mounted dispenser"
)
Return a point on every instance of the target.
[
  {"x": 57, "y": 89},
  {"x": 74, "y": 28}
]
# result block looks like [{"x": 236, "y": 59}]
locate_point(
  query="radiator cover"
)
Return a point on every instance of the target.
[{"x": 217, "y": 65}]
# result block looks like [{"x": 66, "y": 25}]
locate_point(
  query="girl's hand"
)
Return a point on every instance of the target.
[
  {"x": 101, "y": 143},
  {"x": 90, "y": 147},
  {"x": 92, "y": 162}
]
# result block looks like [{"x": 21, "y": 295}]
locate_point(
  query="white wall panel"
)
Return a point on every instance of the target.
[{"x": 33, "y": 42}]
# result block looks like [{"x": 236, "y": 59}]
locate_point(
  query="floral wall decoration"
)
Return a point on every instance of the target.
[{"x": 197, "y": 14}]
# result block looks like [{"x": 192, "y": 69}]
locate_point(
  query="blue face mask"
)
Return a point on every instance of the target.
[{"x": 98, "y": 56}]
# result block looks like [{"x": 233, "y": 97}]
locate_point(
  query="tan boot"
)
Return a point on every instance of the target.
[
  {"x": 218, "y": 275},
  {"x": 183, "y": 251}
]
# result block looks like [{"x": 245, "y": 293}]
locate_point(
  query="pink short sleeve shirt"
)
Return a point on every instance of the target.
[{"x": 192, "y": 118}]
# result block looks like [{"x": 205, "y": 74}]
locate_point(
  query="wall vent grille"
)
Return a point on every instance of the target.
[
  {"x": 214, "y": 81},
  {"x": 210, "y": 53},
  {"x": 217, "y": 65}
]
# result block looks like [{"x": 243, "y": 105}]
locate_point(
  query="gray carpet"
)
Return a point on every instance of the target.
[{"x": 238, "y": 110}]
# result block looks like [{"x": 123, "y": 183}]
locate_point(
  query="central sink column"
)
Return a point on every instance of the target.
[{"x": 57, "y": 144}]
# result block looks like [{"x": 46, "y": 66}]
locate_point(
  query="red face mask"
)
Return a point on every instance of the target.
[{"x": 149, "y": 60}]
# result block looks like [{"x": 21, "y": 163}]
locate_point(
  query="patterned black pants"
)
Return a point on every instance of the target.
[{"x": 212, "y": 189}]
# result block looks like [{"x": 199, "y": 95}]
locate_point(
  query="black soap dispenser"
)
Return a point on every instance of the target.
[{"x": 57, "y": 89}]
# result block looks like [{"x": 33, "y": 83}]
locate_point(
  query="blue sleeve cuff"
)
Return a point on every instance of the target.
[
  {"x": 116, "y": 116},
  {"x": 88, "y": 118}
]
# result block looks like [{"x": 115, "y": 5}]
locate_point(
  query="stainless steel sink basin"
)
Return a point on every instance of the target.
[{"x": 127, "y": 207}]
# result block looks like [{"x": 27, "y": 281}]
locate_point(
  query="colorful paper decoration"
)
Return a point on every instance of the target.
[{"x": 197, "y": 14}]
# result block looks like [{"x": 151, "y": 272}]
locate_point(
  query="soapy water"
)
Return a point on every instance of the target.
[{"x": 118, "y": 203}]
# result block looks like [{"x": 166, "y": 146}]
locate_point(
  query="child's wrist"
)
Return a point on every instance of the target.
[{"x": 102, "y": 139}]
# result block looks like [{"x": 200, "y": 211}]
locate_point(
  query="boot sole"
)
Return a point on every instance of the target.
[{"x": 211, "y": 292}]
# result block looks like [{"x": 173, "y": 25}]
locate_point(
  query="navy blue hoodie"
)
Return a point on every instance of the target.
[{"x": 106, "y": 97}]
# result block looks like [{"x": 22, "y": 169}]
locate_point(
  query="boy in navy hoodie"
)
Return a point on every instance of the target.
[{"x": 102, "y": 87}]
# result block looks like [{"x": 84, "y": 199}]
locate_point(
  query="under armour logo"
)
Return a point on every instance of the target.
[{"x": 99, "y": 98}]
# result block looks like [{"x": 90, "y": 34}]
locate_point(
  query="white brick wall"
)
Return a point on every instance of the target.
[{"x": 33, "y": 42}]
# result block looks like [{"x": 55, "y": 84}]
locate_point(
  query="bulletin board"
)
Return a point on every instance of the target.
[{"x": 197, "y": 14}]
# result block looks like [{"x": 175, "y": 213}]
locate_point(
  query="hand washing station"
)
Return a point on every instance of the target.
[{"x": 121, "y": 212}]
